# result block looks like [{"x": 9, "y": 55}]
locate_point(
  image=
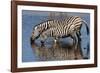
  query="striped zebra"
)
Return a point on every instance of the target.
[{"x": 67, "y": 27}]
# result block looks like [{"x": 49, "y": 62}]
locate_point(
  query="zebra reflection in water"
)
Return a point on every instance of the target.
[{"x": 70, "y": 27}]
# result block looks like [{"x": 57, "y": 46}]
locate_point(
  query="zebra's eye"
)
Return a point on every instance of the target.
[{"x": 32, "y": 32}]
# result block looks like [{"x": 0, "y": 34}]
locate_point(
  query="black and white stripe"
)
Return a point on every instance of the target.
[
  {"x": 46, "y": 25},
  {"x": 68, "y": 26}
]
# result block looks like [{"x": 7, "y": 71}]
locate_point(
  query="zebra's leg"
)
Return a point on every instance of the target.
[
  {"x": 79, "y": 44},
  {"x": 78, "y": 35},
  {"x": 55, "y": 42},
  {"x": 75, "y": 40},
  {"x": 75, "y": 44}
]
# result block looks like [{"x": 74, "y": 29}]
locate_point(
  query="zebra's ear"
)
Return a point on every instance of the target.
[{"x": 35, "y": 28}]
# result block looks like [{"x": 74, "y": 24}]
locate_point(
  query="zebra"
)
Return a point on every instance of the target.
[{"x": 69, "y": 25}]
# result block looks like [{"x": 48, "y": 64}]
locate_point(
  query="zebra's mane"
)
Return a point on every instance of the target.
[{"x": 42, "y": 22}]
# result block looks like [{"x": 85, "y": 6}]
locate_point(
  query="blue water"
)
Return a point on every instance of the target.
[{"x": 31, "y": 18}]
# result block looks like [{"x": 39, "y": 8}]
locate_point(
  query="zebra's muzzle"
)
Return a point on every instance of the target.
[{"x": 31, "y": 41}]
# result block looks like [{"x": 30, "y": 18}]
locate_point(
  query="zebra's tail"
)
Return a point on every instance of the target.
[{"x": 87, "y": 28}]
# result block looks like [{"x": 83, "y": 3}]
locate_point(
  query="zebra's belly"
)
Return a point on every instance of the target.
[{"x": 60, "y": 36}]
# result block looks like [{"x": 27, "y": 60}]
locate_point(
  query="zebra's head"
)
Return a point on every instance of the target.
[
  {"x": 38, "y": 28},
  {"x": 35, "y": 34}
]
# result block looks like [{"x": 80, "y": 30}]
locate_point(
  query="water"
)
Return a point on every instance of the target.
[{"x": 32, "y": 18}]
